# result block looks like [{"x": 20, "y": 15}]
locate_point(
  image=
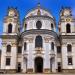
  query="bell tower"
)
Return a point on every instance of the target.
[
  {"x": 11, "y": 22},
  {"x": 9, "y": 40},
  {"x": 67, "y": 36},
  {"x": 66, "y": 24}
]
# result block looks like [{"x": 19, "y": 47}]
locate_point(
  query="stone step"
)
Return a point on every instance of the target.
[{"x": 37, "y": 74}]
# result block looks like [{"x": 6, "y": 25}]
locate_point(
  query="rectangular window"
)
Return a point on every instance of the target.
[
  {"x": 25, "y": 45},
  {"x": 58, "y": 49},
  {"x": 70, "y": 61},
  {"x": 69, "y": 48},
  {"x": 19, "y": 49},
  {"x": 8, "y": 61}
]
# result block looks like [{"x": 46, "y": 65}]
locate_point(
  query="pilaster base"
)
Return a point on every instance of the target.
[
  {"x": 46, "y": 70},
  {"x": 68, "y": 70},
  {"x": 11, "y": 71},
  {"x": 29, "y": 70}
]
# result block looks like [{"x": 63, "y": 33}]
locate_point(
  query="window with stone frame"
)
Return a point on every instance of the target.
[
  {"x": 19, "y": 49},
  {"x": 69, "y": 48},
  {"x": 58, "y": 49},
  {"x": 70, "y": 61},
  {"x": 52, "y": 27},
  {"x": 38, "y": 24},
  {"x": 8, "y": 48},
  {"x": 25, "y": 26},
  {"x": 38, "y": 41},
  {"x": 52, "y": 45},
  {"x": 68, "y": 28},
  {"x": 8, "y": 61},
  {"x": 10, "y": 28}
]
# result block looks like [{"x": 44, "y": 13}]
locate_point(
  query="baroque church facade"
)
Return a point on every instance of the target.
[{"x": 37, "y": 47}]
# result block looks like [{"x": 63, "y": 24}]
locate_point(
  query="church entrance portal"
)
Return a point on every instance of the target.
[{"x": 38, "y": 65}]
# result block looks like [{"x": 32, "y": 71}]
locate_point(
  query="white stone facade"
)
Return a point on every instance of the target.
[{"x": 38, "y": 48}]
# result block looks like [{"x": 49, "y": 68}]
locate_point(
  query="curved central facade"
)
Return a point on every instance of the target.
[{"x": 40, "y": 38}]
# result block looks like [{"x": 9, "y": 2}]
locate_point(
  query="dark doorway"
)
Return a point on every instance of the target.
[
  {"x": 19, "y": 67},
  {"x": 59, "y": 67},
  {"x": 38, "y": 65}
]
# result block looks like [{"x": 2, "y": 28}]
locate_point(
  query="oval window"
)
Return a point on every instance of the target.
[{"x": 38, "y": 24}]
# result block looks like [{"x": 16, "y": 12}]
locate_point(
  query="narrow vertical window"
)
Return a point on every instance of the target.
[
  {"x": 25, "y": 26},
  {"x": 38, "y": 41},
  {"x": 58, "y": 49},
  {"x": 25, "y": 46},
  {"x": 69, "y": 48},
  {"x": 8, "y": 48},
  {"x": 68, "y": 28},
  {"x": 52, "y": 45},
  {"x": 52, "y": 27},
  {"x": 19, "y": 49},
  {"x": 10, "y": 28}
]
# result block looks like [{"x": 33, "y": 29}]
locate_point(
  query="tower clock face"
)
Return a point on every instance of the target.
[{"x": 38, "y": 25}]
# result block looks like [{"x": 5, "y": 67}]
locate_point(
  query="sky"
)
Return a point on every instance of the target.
[{"x": 23, "y": 6}]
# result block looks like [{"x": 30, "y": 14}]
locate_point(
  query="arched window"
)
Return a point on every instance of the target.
[
  {"x": 69, "y": 48},
  {"x": 8, "y": 48},
  {"x": 25, "y": 26},
  {"x": 68, "y": 28},
  {"x": 52, "y": 27},
  {"x": 52, "y": 45},
  {"x": 10, "y": 28},
  {"x": 38, "y": 41},
  {"x": 38, "y": 24},
  {"x": 25, "y": 46}
]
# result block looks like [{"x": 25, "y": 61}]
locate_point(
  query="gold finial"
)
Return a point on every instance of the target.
[{"x": 38, "y": 12}]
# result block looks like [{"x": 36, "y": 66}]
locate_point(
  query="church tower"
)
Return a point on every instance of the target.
[
  {"x": 11, "y": 22},
  {"x": 67, "y": 36},
  {"x": 9, "y": 40}
]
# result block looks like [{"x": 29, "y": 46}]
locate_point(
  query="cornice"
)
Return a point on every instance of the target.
[
  {"x": 39, "y": 17},
  {"x": 67, "y": 36},
  {"x": 41, "y": 31},
  {"x": 9, "y": 36}
]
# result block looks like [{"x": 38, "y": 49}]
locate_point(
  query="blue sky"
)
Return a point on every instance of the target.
[{"x": 24, "y": 6}]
